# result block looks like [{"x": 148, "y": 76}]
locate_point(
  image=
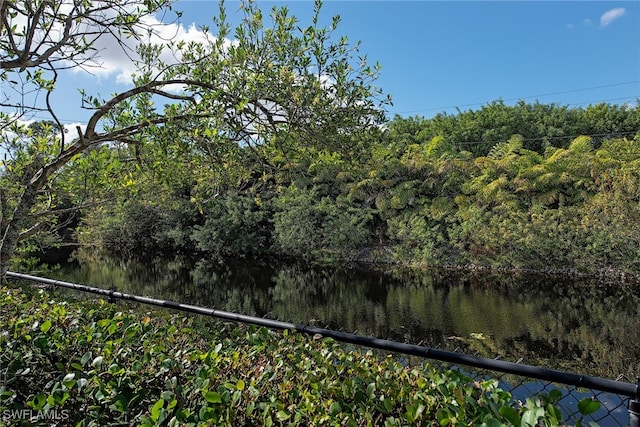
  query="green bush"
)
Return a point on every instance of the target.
[
  {"x": 140, "y": 226},
  {"x": 234, "y": 225},
  {"x": 309, "y": 226}
]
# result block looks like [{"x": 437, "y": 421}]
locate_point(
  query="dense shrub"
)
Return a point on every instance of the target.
[
  {"x": 141, "y": 226},
  {"x": 94, "y": 364},
  {"x": 234, "y": 225},
  {"x": 308, "y": 225}
]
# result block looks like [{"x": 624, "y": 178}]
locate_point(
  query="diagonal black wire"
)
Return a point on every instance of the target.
[
  {"x": 626, "y": 389},
  {"x": 549, "y": 376}
]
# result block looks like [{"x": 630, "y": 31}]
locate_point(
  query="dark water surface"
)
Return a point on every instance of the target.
[{"x": 580, "y": 326}]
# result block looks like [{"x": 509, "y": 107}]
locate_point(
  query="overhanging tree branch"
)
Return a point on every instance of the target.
[
  {"x": 67, "y": 36},
  {"x": 266, "y": 87}
]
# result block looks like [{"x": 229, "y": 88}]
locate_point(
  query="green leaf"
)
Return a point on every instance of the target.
[
  {"x": 250, "y": 407},
  {"x": 37, "y": 402},
  {"x": 443, "y": 417},
  {"x": 510, "y": 414},
  {"x": 388, "y": 404},
  {"x": 85, "y": 358},
  {"x": 555, "y": 395},
  {"x": 81, "y": 383},
  {"x": 335, "y": 409},
  {"x": 588, "y": 406},
  {"x": 213, "y": 397},
  {"x": 530, "y": 416},
  {"x": 240, "y": 385},
  {"x": 45, "y": 326},
  {"x": 371, "y": 388},
  {"x": 156, "y": 409},
  {"x": 68, "y": 380},
  {"x": 205, "y": 414},
  {"x": 282, "y": 416}
]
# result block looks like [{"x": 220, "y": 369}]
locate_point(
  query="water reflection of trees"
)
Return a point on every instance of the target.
[{"x": 571, "y": 325}]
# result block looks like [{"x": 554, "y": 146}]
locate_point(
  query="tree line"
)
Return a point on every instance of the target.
[{"x": 407, "y": 193}]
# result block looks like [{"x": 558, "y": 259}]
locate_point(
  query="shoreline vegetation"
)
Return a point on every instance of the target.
[
  {"x": 482, "y": 190},
  {"x": 92, "y": 363},
  {"x": 528, "y": 188}
]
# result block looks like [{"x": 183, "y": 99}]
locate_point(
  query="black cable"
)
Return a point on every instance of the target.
[{"x": 595, "y": 383}]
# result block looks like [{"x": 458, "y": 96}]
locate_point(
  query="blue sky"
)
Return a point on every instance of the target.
[
  {"x": 439, "y": 55},
  {"x": 436, "y": 55}
]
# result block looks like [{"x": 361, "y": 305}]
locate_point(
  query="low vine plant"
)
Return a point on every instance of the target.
[{"x": 93, "y": 363}]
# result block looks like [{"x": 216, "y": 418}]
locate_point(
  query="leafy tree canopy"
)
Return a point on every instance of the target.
[{"x": 258, "y": 85}]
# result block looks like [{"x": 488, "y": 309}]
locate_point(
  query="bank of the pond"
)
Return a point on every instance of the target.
[
  {"x": 384, "y": 257},
  {"x": 378, "y": 258},
  {"x": 608, "y": 276},
  {"x": 603, "y": 276},
  {"x": 93, "y": 363}
]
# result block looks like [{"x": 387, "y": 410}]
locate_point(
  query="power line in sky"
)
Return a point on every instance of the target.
[
  {"x": 531, "y": 96},
  {"x": 69, "y": 121},
  {"x": 605, "y": 100}
]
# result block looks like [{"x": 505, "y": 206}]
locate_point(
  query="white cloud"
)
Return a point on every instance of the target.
[
  {"x": 71, "y": 129},
  {"x": 611, "y": 15},
  {"x": 113, "y": 57},
  {"x": 117, "y": 58}
]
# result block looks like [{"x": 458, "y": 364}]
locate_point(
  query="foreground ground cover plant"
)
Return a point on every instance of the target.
[{"x": 92, "y": 363}]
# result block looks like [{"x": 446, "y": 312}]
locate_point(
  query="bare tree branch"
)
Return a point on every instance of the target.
[
  {"x": 4, "y": 211},
  {"x": 54, "y": 212},
  {"x": 53, "y": 114},
  {"x": 77, "y": 32},
  {"x": 30, "y": 231}
]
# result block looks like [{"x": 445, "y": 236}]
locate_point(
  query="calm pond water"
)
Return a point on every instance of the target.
[{"x": 580, "y": 326}]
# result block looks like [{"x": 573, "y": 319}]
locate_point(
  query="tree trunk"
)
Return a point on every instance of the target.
[{"x": 11, "y": 233}]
